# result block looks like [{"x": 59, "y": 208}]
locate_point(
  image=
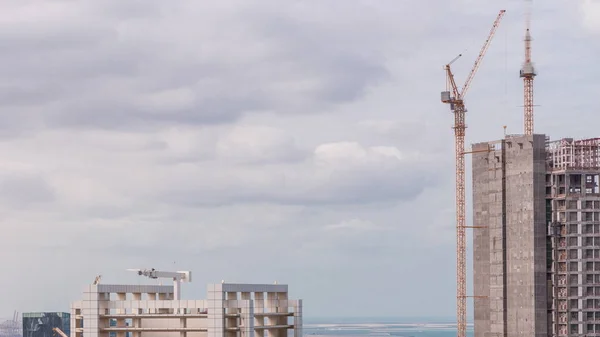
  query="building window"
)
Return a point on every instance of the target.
[
  {"x": 562, "y": 217},
  {"x": 574, "y": 304},
  {"x": 573, "y": 254},
  {"x": 573, "y": 291},
  {"x": 573, "y": 242},
  {"x": 572, "y": 216},
  {"x": 573, "y": 229}
]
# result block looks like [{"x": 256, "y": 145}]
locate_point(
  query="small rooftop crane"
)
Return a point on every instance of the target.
[
  {"x": 176, "y": 276},
  {"x": 455, "y": 98},
  {"x": 97, "y": 280}
]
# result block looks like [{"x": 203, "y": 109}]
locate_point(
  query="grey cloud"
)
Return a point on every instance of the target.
[
  {"x": 337, "y": 181},
  {"x": 113, "y": 64},
  {"x": 22, "y": 190}
]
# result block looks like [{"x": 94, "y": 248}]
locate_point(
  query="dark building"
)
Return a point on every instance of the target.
[{"x": 40, "y": 324}]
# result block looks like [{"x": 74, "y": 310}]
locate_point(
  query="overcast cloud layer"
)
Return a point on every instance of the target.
[{"x": 254, "y": 141}]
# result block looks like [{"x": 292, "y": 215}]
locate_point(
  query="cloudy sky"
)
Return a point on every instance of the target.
[{"x": 261, "y": 140}]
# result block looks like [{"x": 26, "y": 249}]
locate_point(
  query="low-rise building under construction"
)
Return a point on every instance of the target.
[{"x": 230, "y": 310}]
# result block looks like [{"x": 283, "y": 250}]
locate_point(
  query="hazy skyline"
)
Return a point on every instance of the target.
[{"x": 254, "y": 141}]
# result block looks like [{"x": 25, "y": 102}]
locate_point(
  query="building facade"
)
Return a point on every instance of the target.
[
  {"x": 40, "y": 324},
  {"x": 537, "y": 237},
  {"x": 510, "y": 238},
  {"x": 230, "y": 310},
  {"x": 573, "y": 194}
]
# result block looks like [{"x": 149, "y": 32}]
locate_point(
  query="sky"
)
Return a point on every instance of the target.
[{"x": 302, "y": 142}]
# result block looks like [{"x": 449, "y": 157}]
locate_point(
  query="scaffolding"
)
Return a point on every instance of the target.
[{"x": 12, "y": 327}]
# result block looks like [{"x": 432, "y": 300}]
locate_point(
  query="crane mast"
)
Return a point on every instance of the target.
[
  {"x": 455, "y": 98},
  {"x": 528, "y": 73}
]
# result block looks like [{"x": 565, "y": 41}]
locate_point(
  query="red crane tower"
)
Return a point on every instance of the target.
[
  {"x": 528, "y": 73},
  {"x": 455, "y": 98}
]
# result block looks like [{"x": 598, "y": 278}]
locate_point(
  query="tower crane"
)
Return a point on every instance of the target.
[
  {"x": 528, "y": 73},
  {"x": 455, "y": 98},
  {"x": 176, "y": 276}
]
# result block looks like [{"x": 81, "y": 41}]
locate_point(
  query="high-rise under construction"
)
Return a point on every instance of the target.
[{"x": 536, "y": 243}]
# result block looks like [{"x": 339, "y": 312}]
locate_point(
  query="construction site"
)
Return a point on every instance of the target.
[
  {"x": 231, "y": 309},
  {"x": 536, "y": 223},
  {"x": 535, "y": 247},
  {"x": 137, "y": 310}
]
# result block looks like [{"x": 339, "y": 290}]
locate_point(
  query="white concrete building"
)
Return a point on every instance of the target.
[{"x": 231, "y": 310}]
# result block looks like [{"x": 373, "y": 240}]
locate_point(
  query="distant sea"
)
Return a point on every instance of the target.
[{"x": 379, "y": 327}]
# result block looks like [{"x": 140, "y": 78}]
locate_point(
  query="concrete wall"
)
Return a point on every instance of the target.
[
  {"x": 481, "y": 237},
  {"x": 526, "y": 233},
  {"x": 510, "y": 253}
]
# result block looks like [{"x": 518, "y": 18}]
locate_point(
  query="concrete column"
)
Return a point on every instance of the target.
[
  {"x": 259, "y": 307},
  {"x": 298, "y": 319},
  {"x": 183, "y": 324},
  {"x": 270, "y": 307},
  {"x": 247, "y": 317},
  {"x": 282, "y": 307},
  {"x": 216, "y": 310}
]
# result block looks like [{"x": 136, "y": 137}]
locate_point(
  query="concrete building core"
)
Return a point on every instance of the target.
[
  {"x": 536, "y": 245},
  {"x": 510, "y": 247},
  {"x": 231, "y": 310}
]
